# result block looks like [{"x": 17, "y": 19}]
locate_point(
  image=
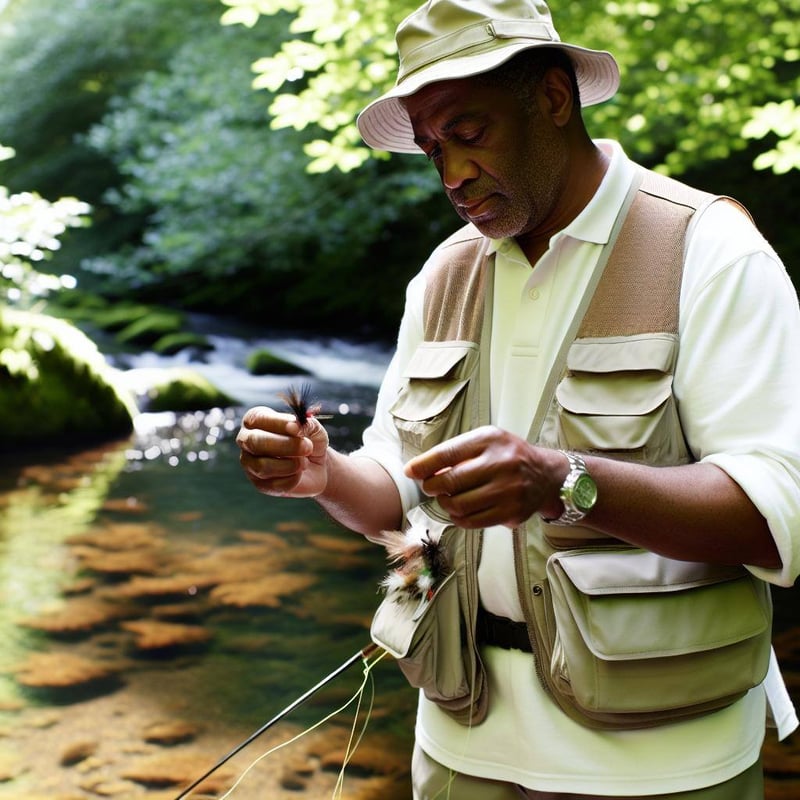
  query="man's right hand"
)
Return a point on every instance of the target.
[{"x": 281, "y": 457}]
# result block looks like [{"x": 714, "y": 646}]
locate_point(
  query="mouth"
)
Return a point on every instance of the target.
[{"x": 475, "y": 208}]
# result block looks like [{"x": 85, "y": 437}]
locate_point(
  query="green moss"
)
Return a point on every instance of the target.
[
  {"x": 175, "y": 342},
  {"x": 183, "y": 389},
  {"x": 149, "y": 327},
  {"x": 265, "y": 362},
  {"x": 55, "y": 385}
]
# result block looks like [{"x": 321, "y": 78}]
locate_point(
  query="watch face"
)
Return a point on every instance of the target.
[{"x": 584, "y": 495}]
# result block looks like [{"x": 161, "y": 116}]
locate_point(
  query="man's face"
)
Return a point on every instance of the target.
[{"x": 502, "y": 162}]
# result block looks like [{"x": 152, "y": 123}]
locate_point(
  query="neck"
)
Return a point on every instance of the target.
[{"x": 581, "y": 182}]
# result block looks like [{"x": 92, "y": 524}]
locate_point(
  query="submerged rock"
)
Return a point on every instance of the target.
[
  {"x": 78, "y": 615},
  {"x": 157, "y": 635},
  {"x": 177, "y": 769},
  {"x": 171, "y": 732},
  {"x": 77, "y": 752},
  {"x": 267, "y": 591},
  {"x": 61, "y": 670}
]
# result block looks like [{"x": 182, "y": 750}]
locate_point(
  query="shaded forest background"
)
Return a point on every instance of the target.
[{"x": 211, "y": 193}]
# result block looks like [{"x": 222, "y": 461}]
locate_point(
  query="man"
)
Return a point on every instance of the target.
[{"x": 493, "y": 98}]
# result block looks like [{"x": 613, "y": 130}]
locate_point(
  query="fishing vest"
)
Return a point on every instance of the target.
[{"x": 609, "y": 393}]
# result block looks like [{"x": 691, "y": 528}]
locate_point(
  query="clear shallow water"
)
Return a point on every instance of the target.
[{"x": 176, "y": 484}]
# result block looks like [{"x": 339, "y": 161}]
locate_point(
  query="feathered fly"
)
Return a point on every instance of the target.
[
  {"x": 421, "y": 564},
  {"x": 298, "y": 398}
]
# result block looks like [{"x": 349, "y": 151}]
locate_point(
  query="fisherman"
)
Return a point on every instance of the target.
[{"x": 599, "y": 354}]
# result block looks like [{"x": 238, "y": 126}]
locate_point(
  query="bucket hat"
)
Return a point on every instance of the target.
[{"x": 449, "y": 39}]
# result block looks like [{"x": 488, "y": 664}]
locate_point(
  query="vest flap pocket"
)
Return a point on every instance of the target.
[
  {"x": 432, "y": 398},
  {"x": 441, "y": 360},
  {"x": 621, "y": 620},
  {"x": 620, "y": 354},
  {"x": 397, "y": 622},
  {"x": 620, "y": 394},
  {"x": 632, "y": 571}
]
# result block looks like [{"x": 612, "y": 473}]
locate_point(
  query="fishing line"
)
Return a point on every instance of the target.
[
  {"x": 368, "y": 666},
  {"x": 352, "y": 747}
]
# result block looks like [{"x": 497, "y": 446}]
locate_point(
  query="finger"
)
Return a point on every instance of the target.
[
  {"x": 267, "y": 419},
  {"x": 442, "y": 456},
  {"x": 264, "y": 444},
  {"x": 269, "y": 468}
]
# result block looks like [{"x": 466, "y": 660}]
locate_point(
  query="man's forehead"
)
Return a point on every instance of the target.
[{"x": 452, "y": 97}]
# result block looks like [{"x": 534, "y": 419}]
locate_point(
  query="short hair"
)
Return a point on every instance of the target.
[{"x": 522, "y": 73}]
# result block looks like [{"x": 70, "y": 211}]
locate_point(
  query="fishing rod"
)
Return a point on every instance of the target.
[{"x": 360, "y": 655}]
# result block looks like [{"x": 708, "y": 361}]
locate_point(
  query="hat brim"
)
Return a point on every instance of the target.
[{"x": 384, "y": 124}]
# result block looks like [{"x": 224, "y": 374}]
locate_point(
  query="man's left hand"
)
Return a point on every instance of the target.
[{"x": 491, "y": 477}]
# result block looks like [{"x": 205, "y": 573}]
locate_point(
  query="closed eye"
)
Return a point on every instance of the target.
[{"x": 434, "y": 153}]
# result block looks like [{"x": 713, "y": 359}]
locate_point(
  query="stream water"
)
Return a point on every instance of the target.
[
  {"x": 146, "y": 586},
  {"x": 155, "y": 609}
]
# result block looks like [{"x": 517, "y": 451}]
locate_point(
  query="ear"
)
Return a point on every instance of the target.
[{"x": 557, "y": 96}]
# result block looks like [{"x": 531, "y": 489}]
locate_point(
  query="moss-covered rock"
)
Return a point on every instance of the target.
[
  {"x": 130, "y": 326},
  {"x": 265, "y": 362},
  {"x": 181, "y": 389},
  {"x": 55, "y": 385},
  {"x": 173, "y": 343},
  {"x": 149, "y": 327}
]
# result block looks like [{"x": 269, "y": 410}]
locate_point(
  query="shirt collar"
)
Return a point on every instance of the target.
[{"x": 595, "y": 222}]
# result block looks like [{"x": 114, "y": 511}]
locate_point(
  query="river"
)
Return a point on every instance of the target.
[{"x": 155, "y": 610}]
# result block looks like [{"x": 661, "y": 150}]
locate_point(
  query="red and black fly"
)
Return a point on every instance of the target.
[{"x": 298, "y": 398}]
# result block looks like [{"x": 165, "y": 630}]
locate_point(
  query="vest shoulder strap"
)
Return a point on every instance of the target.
[
  {"x": 639, "y": 291},
  {"x": 456, "y": 283}
]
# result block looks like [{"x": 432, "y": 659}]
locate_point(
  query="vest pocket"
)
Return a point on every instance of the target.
[
  {"x": 432, "y": 400},
  {"x": 639, "y": 634},
  {"x": 427, "y": 634},
  {"x": 617, "y": 397}
]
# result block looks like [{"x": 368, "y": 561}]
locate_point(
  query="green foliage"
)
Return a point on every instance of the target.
[
  {"x": 68, "y": 60},
  {"x": 30, "y": 231},
  {"x": 233, "y": 220},
  {"x": 783, "y": 120},
  {"x": 694, "y": 72},
  {"x": 345, "y": 50},
  {"x": 56, "y": 385}
]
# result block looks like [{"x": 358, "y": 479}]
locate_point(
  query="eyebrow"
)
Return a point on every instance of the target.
[{"x": 448, "y": 126}]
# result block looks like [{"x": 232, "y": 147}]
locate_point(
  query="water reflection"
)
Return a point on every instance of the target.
[{"x": 146, "y": 585}]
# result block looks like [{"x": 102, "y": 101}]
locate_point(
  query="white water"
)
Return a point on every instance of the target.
[{"x": 341, "y": 370}]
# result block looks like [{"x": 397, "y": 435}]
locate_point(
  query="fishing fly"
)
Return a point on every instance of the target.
[
  {"x": 420, "y": 561},
  {"x": 298, "y": 398}
]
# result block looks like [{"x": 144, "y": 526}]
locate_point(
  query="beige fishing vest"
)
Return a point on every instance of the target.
[{"x": 610, "y": 392}]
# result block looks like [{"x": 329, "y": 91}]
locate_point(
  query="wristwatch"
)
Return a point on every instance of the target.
[{"x": 578, "y": 492}]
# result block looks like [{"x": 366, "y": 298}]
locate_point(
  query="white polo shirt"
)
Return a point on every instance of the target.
[{"x": 735, "y": 382}]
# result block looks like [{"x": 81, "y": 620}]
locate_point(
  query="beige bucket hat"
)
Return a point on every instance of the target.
[{"x": 447, "y": 39}]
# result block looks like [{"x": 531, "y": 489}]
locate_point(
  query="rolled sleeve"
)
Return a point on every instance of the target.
[
  {"x": 737, "y": 377},
  {"x": 381, "y": 442}
]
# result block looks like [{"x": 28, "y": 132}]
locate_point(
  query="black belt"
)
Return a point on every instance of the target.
[{"x": 502, "y": 632}]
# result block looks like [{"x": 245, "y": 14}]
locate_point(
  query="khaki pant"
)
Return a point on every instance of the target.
[{"x": 432, "y": 781}]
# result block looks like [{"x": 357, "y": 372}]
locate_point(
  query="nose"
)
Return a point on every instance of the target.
[{"x": 457, "y": 168}]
